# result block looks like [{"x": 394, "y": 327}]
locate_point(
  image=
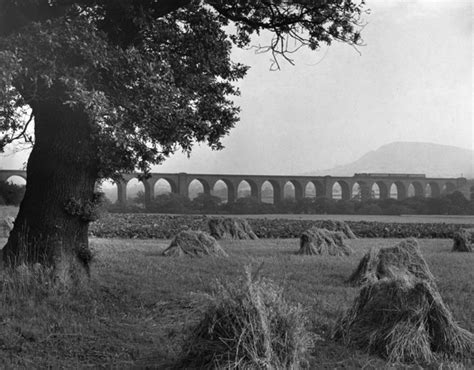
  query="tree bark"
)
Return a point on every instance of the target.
[{"x": 52, "y": 223}]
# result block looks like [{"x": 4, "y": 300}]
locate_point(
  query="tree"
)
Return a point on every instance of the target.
[
  {"x": 206, "y": 203},
  {"x": 118, "y": 85}
]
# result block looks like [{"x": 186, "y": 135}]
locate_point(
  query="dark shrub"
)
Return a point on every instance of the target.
[
  {"x": 287, "y": 205},
  {"x": 370, "y": 209},
  {"x": 250, "y": 205},
  {"x": 346, "y": 207},
  {"x": 305, "y": 205},
  {"x": 170, "y": 203},
  {"x": 12, "y": 194},
  {"x": 206, "y": 203}
]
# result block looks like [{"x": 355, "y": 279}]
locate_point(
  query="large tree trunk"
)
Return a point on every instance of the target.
[{"x": 52, "y": 224}]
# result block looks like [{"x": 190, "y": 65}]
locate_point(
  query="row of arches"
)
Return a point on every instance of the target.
[
  {"x": 396, "y": 190},
  {"x": 271, "y": 191}
]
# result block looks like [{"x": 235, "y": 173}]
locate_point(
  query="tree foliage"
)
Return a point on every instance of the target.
[{"x": 151, "y": 76}]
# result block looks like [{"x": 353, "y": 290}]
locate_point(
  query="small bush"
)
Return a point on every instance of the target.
[{"x": 249, "y": 325}]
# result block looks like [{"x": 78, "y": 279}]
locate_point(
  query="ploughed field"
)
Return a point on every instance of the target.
[
  {"x": 144, "y": 226},
  {"x": 141, "y": 305}
]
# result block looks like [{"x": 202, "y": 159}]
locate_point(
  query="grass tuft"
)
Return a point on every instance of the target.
[{"x": 29, "y": 282}]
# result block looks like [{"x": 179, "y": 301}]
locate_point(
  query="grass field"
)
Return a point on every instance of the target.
[{"x": 140, "y": 305}]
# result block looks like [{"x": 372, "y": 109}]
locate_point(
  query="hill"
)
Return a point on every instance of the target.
[{"x": 434, "y": 160}]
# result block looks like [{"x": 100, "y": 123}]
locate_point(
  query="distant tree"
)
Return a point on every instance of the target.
[
  {"x": 286, "y": 205},
  {"x": 206, "y": 203},
  {"x": 139, "y": 198},
  {"x": 118, "y": 85},
  {"x": 345, "y": 207},
  {"x": 11, "y": 194},
  {"x": 458, "y": 201},
  {"x": 170, "y": 203},
  {"x": 305, "y": 205}
]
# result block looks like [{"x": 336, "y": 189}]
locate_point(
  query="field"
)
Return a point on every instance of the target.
[{"x": 141, "y": 305}]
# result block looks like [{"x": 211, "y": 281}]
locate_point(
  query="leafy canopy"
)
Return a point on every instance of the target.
[{"x": 153, "y": 76}]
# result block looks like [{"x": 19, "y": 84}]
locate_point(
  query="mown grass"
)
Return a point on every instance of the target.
[{"x": 140, "y": 305}]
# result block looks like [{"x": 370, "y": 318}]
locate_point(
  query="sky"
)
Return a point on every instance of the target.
[{"x": 412, "y": 81}]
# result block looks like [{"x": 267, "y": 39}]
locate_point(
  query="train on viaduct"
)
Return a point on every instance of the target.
[{"x": 368, "y": 185}]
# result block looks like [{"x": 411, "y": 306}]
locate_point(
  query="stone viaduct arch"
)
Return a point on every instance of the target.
[
  {"x": 318, "y": 188},
  {"x": 179, "y": 183}
]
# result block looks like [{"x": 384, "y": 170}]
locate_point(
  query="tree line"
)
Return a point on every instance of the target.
[
  {"x": 450, "y": 204},
  {"x": 11, "y": 194}
]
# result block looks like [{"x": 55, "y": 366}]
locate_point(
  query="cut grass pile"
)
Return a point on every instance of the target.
[
  {"x": 404, "y": 321},
  {"x": 231, "y": 228},
  {"x": 141, "y": 306},
  {"x": 317, "y": 241},
  {"x": 403, "y": 258},
  {"x": 463, "y": 240},
  {"x": 194, "y": 244},
  {"x": 249, "y": 324},
  {"x": 340, "y": 226}
]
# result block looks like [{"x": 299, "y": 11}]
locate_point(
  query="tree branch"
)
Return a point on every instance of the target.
[{"x": 22, "y": 133}]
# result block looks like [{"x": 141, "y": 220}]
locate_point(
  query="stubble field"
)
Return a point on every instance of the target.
[{"x": 140, "y": 305}]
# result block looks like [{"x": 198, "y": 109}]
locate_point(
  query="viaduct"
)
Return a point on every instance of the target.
[{"x": 366, "y": 185}]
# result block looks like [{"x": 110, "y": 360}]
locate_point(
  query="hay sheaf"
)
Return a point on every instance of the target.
[
  {"x": 404, "y": 320},
  {"x": 231, "y": 228},
  {"x": 403, "y": 259},
  {"x": 249, "y": 325},
  {"x": 6, "y": 225},
  {"x": 341, "y": 226},
  {"x": 194, "y": 244},
  {"x": 462, "y": 240},
  {"x": 317, "y": 241}
]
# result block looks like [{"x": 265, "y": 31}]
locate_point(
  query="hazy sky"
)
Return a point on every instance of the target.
[{"x": 411, "y": 82}]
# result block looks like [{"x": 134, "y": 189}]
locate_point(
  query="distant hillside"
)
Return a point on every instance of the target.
[{"x": 434, "y": 160}]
